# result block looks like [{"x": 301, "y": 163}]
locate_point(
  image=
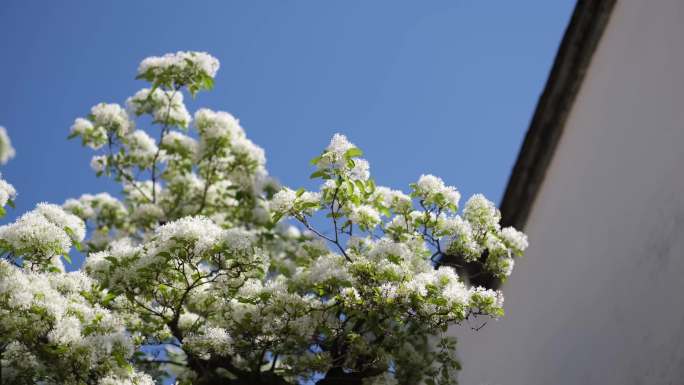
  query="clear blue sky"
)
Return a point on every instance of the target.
[{"x": 442, "y": 87}]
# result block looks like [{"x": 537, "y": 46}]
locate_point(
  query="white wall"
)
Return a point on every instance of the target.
[{"x": 599, "y": 298}]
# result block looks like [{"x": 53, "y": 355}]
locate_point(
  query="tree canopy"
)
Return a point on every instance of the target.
[{"x": 206, "y": 271}]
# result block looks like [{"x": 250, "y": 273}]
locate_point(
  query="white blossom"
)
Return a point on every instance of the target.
[
  {"x": 93, "y": 137},
  {"x": 199, "y": 230},
  {"x": 460, "y": 239},
  {"x": 111, "y": 117},
  {"x": 7, "y": 192},
  {"x": 514, "y": 239},
  {"x": 66, "y": 331},
  {"x": 98, "y": 163},
  {"x": 180, "y": 61},
  {"x": 131, "y": 379},
  {"x": 339, "y": 144},
  {"x": 213, "y": 125},
  {"x": 481, "y": 213},
  {"x": 64, "y": 220},
  {"x": 328, "y": 266},
  {"x": 361, "y": 170},
  {"x": 239, "y": 240},
  {"x": 141, "y": 146},
  {"x": 210, "y": 340},
  {"x": 147, "y": 213},
  {"x": 365, "y": 215},
  {"x": 165, "y": 106},
  {"x": 433, "y": 190},
  {"x": 179, "y": 143},
  {"x": 333, "y": 157},
  {"x": 244, "y": 147},
  {"x": 7, "y": 152},
  {"x": 34, "y": 234},
  {"x": 283, "y": 201}
]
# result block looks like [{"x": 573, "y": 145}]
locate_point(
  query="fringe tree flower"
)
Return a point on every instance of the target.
[
  {"x": 7, "y": 152},
  {"x": 205, "y": 269}
]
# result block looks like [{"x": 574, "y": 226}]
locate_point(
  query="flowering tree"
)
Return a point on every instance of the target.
[{"x": 206, "y": 271}]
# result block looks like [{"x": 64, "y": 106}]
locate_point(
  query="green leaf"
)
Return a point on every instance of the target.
[
  {"x": 353, "y": 152},
  {"x": 67, "y": 258},
  {"x": 360, "y": 185},
  {"x": 350, "y": 188},
  {"x": 319, "y": 174},
  {"x": 276, "y": 218},
  {"x": 309, "y": 205},
  {"x": 315, "y": 160},
  {"x": 208, "y": 82},
  {"x": 109, "y": 297},
  {"x": 300, "y": 191},
  {"x": 2, "y": 212},
  {"x": 10, "y": 203}
]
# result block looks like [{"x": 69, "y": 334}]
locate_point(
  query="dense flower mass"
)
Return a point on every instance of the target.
[
  {"x": 162, "y": 105},
  {"x": 40, "y": 236},
  {"x": 53, "y": 333},
  {"x": 207, "y": 271}
]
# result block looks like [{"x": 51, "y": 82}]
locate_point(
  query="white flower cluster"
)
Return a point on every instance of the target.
[
  {"x": 239, "y": 240},
  {"x": 180, "y": 62},
  {"x": 164, "y": 106},
  {"x": 93, "y": 137},
  {"x": 289, "y": 201},
  {"x": 7, "y": 192},
  {"x": 200, "y": 231},
  {"x": 141, "y": 147},
  {"x": 39, "y": 235},
  {"x": 327, "y": 267},
  {"x": 111, "y": 117},
  {"x": 224, "y": 146},
  {"x": 339, "y": 144},
  {"x": 365, "y": 215},
  {"x": 514, "y": 239},
  {"x": 80, "y": 336},
  {"x": 361, "y": 170},
  {"x": 481, "y": 213},
  {"x": 7, "y": 152},
  {"x": 129, "y": 379},
  {"x": 214, "y": 125},
  {"x": 101, "y": 205},
  {"x": 337, "y": 156},
  {"x": 211, "y": 340},
  {"x": 283, "y": 201},
  {"x": 147, "y": 214},
  {"x": 433, "y": 191},
  {"x": 177, "y": 143},
  {"x": 462, "y": 240},
  {"x": 98, "y": 163},
  {"x": 394, "y": 199}
]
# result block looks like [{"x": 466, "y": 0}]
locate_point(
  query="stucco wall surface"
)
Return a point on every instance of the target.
[{"x": 599, "y": 298}]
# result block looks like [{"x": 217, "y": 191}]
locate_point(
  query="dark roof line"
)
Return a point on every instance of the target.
[{"x": 574, "y": 55}]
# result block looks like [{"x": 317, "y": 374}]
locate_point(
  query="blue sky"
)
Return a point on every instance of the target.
[{"x": 442, "y": 87}]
